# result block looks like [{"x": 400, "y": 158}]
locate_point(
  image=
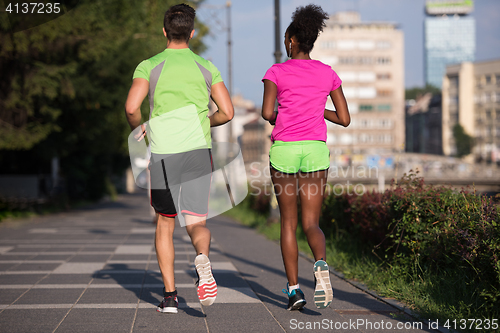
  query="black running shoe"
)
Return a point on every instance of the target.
[
  {"x": 169, "y": 304},
  {"x": 296, "y": 299}
]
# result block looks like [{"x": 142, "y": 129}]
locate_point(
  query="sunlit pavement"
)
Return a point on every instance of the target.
[{"x": 95, "y": 270}]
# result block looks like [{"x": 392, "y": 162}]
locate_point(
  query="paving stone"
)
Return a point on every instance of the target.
[
  {"x": 35, "y": 267},
  {"x": 50, "y": 296},
  {"x": 186, "y": 320},
  {"x": 110, "y": 296},
  {"x": 129, "y": 257},
  {"x": 26, "y": 321},
  {"x": 133, "y": 249},
  {"x": 7, "y": 296},
  {"x": 20, "y": 278},
  {"x": 89, "y": 258},
  {"x": 240, "y": 318},
  {"x": 67, "y": 279},
  {"x": 78, "y": 268},
  {"x": 125, "y": 266},
  {"x": 98, "y": 320},
  {"x": 6, "y": 267},
  {"x": 119, "y": 278},
  {"x": 62, "y": 257}
]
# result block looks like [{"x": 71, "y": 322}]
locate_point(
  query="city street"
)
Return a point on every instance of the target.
[{"x": 95, "y": 270}]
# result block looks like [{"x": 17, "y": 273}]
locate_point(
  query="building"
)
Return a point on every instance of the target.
[
  {"x": 254, "y": 142},
  {"x": 424, "y": 125},
  {"x": 449, "y": 37},
  {"x": 471, "y": 97},
  {"x": 247, "y": 128},
  {"x": 368, "y": 57}
]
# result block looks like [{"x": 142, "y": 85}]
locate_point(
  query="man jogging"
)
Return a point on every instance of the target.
[{"x": 180, "y": 84}]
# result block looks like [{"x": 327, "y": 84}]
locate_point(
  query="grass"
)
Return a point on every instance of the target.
[
  {"x": 430, "y": 296},
  {"x": 42, "y": 209},
  {"x": 7, "y": 214}
]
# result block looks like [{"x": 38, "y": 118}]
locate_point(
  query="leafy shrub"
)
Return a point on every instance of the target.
[
  {"x": 259, "y": 200},
  {"x": 427, "y": 231}
]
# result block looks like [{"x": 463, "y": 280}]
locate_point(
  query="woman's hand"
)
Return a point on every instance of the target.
[
  {"x": 341, "y": 116},
  {"x": 272, "y": 121}
]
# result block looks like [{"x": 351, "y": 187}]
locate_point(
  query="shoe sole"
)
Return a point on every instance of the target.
[
  {"x": 207, "y": 288},
  {"x": 323, "y": 293},
  {"x": 297, "y": 305},
  {"x": 166, "y": 310}
]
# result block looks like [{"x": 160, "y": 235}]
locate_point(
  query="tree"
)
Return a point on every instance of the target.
[
  {"x": 414, "y": 93},
  {"x": 64, "y": 85},
  {"x": 463, "y": 141}
]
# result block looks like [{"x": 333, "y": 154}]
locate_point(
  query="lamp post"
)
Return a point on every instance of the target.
[
  {"x": 229, "y": 65},
  {"x": 214, "y": 11},
  {"x": 277, "y": 44}
]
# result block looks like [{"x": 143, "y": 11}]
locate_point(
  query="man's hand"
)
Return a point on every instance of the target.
[
  {"x": 139, "y": 136},
  {"x": 221, "y": 97}
]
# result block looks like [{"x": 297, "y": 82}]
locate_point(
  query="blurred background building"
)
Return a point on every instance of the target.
[
  {"x": 471, "y": 98},
  {"x": 449, "y": 37},
  {"x": 424, "y": 125},
  {"x": 368, "y": 57},
  {"x": 248, "y": 129}
]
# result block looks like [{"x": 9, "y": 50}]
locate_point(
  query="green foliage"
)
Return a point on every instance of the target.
[
  {"x": 463, "y": 141},
  {"x": 434, "y": 248},
  {"x": 64, "y": 85},
  {"x": 414, "y": 93},
  {"x": 424, "y": 235}
]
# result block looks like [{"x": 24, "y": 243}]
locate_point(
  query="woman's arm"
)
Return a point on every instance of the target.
[
  {"x": 221, "y": 97},
  {"x": 270, "y": 93},
  {"x": 341, "y": 115}
]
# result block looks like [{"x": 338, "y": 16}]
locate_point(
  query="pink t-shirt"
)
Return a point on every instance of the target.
[{"x": 303, "y": 88}]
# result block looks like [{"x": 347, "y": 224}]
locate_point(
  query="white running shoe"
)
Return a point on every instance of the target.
[
  {"x": 207, "y": 288},
  {"x": 323, "y": 293}
]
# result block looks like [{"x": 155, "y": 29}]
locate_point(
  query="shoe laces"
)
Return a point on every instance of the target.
[{"x": 290, "y": 294}]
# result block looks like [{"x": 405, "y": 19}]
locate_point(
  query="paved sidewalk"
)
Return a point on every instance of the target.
[{"x": 95, "y": 270}]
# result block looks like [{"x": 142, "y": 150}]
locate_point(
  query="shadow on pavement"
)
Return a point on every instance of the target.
[
  {"x": 151, "y": 285},
  {"x": 357, "y": 299}
]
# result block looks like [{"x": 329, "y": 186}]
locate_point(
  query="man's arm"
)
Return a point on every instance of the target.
[
  {"x": 136, "y": 95},
  {"x": 221, "y": 97}
]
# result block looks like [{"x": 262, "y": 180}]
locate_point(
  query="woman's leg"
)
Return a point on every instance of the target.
[
  {"x": 285, "y": 187},
  {"x": 311, "y": 191}
]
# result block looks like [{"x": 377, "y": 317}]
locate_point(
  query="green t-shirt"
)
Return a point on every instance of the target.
[{"x": 180, "y": 84}]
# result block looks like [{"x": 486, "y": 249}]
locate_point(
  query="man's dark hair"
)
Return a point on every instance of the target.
[
  {"x": 307, "y": 23},
  {"x": 179, "y": 22}
]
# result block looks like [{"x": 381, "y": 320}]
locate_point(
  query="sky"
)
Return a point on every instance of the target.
[{"x": 252, "y": 25}]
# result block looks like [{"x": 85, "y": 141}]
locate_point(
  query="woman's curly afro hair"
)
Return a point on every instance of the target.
[{"x": 307, "y": 23}]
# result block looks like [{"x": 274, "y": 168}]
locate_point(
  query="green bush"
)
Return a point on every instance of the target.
[
  {"x": 434, "y": 248},
  {"x": 430, "y": 235}
]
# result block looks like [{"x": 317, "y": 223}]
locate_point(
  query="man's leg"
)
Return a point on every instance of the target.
[
  {"x": 200, "y": 237},
  {"x": 165, "y": 250},
  {"x": 197, "y": 230}
]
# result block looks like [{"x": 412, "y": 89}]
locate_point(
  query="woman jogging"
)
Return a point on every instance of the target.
[{"x": 299, "y": 156}]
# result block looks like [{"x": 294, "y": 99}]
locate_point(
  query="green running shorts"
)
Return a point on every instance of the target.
[{"x": 304, "y": 156}]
